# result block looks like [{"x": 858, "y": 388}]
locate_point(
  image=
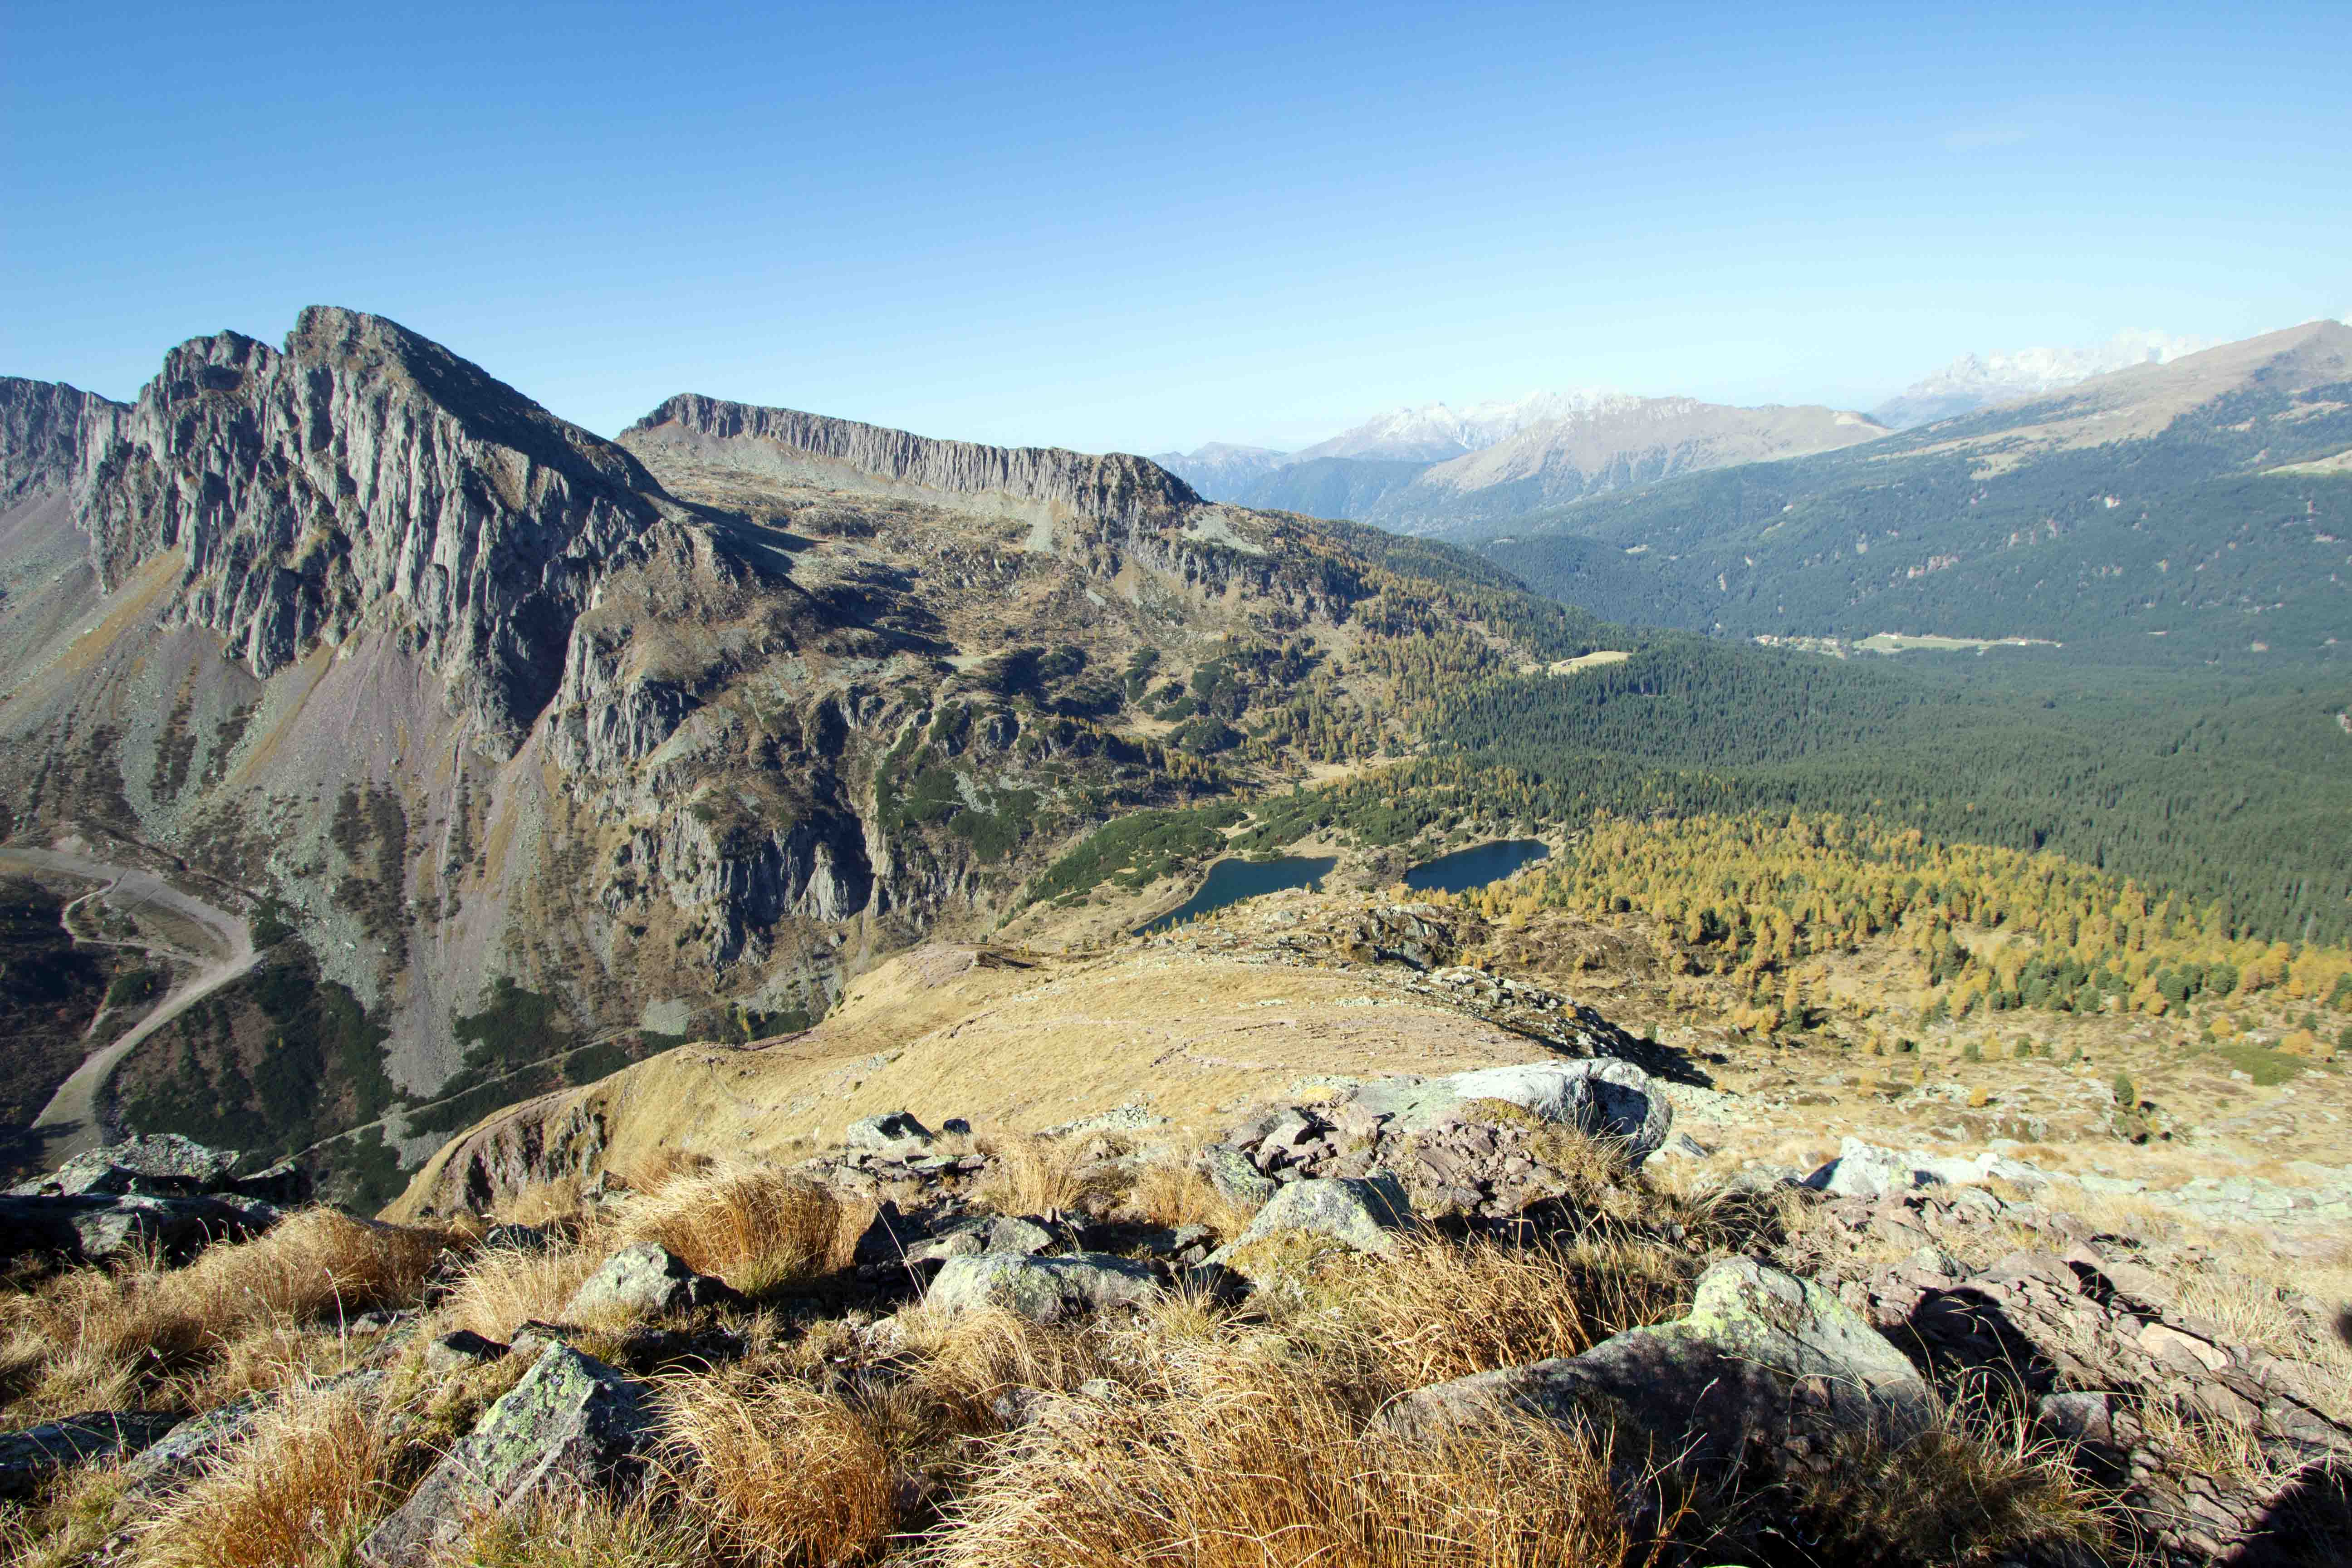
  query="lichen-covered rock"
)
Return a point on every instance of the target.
[
  {"x": 1042, "y": 1289},
  {"x": 1235, "y": 1179},
  {"x": 1017, "y": 1233},
  {"x": 895, "y": 1132},
  {"x": 644, "y": 1280},
  {"x": 1363, "y": 1214},
  {"x": 31, "y": 1456},
  {"x": 572, "y": 1427},
  {"x": 167, "y": 1463},
  {"x": 458, "y": 1352},
  {"x": 1758, "y": 1351}
]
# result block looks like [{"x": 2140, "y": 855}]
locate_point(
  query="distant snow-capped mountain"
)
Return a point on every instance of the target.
[
  {"x": 1979, "y": 381},
  {"x": 1436, "y": 431}
]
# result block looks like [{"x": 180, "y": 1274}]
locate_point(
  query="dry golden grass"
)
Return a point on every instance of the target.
[
  {"x": 964, "y": 1362},
  {"x": 1434, "y": 1309},
  {"x": 1254, "y": 1461},
  {"x": 557, "y": 1203},
  {"x": 583, "y": 1533},
  {"x": 1171, "y": 1191},
  {"x": 299, "y": 1489},
  {"x": 504, "y": 1287},
  {"x": 2228, "y": 1454},
  {"x": 1029, "y": 1175},
  {"x": 779, "y": 1475},
  {"x": 66, "y": 1525},
  {"x": 754, "y": 1229},
  {"x": 1977, "y": 1487},
  {"x": 230, "y": 1321}
]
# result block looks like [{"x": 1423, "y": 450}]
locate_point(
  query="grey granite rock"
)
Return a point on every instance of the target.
[
  {"x": 29, "y": 1457},
  {"x": 1042, "y": 1289},
  {"x": 1758, "y": 1351},
  {"x": 642, "y": 1280},
  {"x": 572, "y": 1427},
  {"x": 1362, "y": 1213}
]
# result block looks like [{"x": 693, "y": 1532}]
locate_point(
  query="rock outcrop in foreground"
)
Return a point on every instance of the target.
[{"x": 880, "y": 1343}]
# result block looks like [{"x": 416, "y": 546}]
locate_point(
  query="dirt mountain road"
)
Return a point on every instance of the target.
[{"x": 217, "y": 943}]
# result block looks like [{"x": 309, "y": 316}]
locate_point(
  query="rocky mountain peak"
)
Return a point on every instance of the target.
[
  {"x": 1116, "y": 488},
  {"x": 364, "y": 477}
]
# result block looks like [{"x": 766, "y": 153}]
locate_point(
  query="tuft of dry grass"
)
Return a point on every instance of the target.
[
  {"x": 229, "y": 1320},
  {"x": 780, "y": 1475},
  {"x": 577, "y": 1532},
  {"x": 1173, "y": 1192},
  {"x": 302, "y": 1485},
  {"x": 755, "y": 1228},
  {"x": 1980, "y": 1486},
  {"x": 504, "y": 1287},
  {"x": 1029, "y": 1175},
  {"x": 964, "y": 1361},
  {"x": 1254, "y": 1461},
  {"x": 1435, "y": 1310},
  {"x": 558, "y": 1202}
]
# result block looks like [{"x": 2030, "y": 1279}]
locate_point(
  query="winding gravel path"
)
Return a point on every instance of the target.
[{"x": 71, "y": 1114}]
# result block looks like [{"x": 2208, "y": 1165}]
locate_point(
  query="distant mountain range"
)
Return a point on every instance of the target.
[
  {"x": 1437, "y": 469},
  {"x": 2189, "y": 508}
]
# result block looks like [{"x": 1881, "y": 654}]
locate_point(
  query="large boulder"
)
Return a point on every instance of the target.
[
  {"x": 166, "y": 1165},
  {"x": 644, "y": 1280},
  {"x": 1759, "y": 1353},
  {"x": 1042, "y": 1289},
  {"x": 572, "y": 1427},
  {"x": 1868, "y": 1170},
  {"x": 1362, "y": 1214},
  {"x": 162, "y": 1163},
  {"x": 92, "y": 1227},
  {"x": 29, "y": 1457},
  {"x": 1235, "y": 1179},
  {"x": 1603, "y": 1096},
  {"x": 895, "y": 1133}
]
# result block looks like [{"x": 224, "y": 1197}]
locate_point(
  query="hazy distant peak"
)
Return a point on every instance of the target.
[
  {"x": 1977, "y": 381},
  {"x": 1434, "y": 432}
]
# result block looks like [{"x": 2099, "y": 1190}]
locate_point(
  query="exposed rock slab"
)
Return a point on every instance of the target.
[
  {"x": 1043, "y": 1290},
  {"x": 1758, "y": 1351},
  {"x": 29, "y": 1457},
  {"x": 572, "y": 1427}
]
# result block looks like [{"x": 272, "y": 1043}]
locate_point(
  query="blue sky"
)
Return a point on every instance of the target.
[{"x": 1122, "y": 226}]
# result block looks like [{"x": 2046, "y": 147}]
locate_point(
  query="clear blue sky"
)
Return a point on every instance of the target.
[{"x": 1130, "y": 227}]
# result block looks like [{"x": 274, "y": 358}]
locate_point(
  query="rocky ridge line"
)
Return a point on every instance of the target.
[{"x": 1113, "y": 487}]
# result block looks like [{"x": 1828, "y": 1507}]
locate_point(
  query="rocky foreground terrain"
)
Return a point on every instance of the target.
[{"x": 1285, "y": 1237}]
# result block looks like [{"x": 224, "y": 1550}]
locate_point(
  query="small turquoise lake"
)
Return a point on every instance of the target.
[
  {"x": 1231, "y": 881},
  {"x": 1474, "y": 868}
]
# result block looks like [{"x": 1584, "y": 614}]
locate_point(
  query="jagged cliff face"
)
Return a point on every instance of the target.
[
  {"x": 365, "y": 474},
  {"x": 41, "y": 425},
  {"x": 667, "y": 732},
  {"x": 789, "y": 445}
]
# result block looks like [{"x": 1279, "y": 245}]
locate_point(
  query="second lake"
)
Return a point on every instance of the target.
[{"x": 1473, "y": 868}]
